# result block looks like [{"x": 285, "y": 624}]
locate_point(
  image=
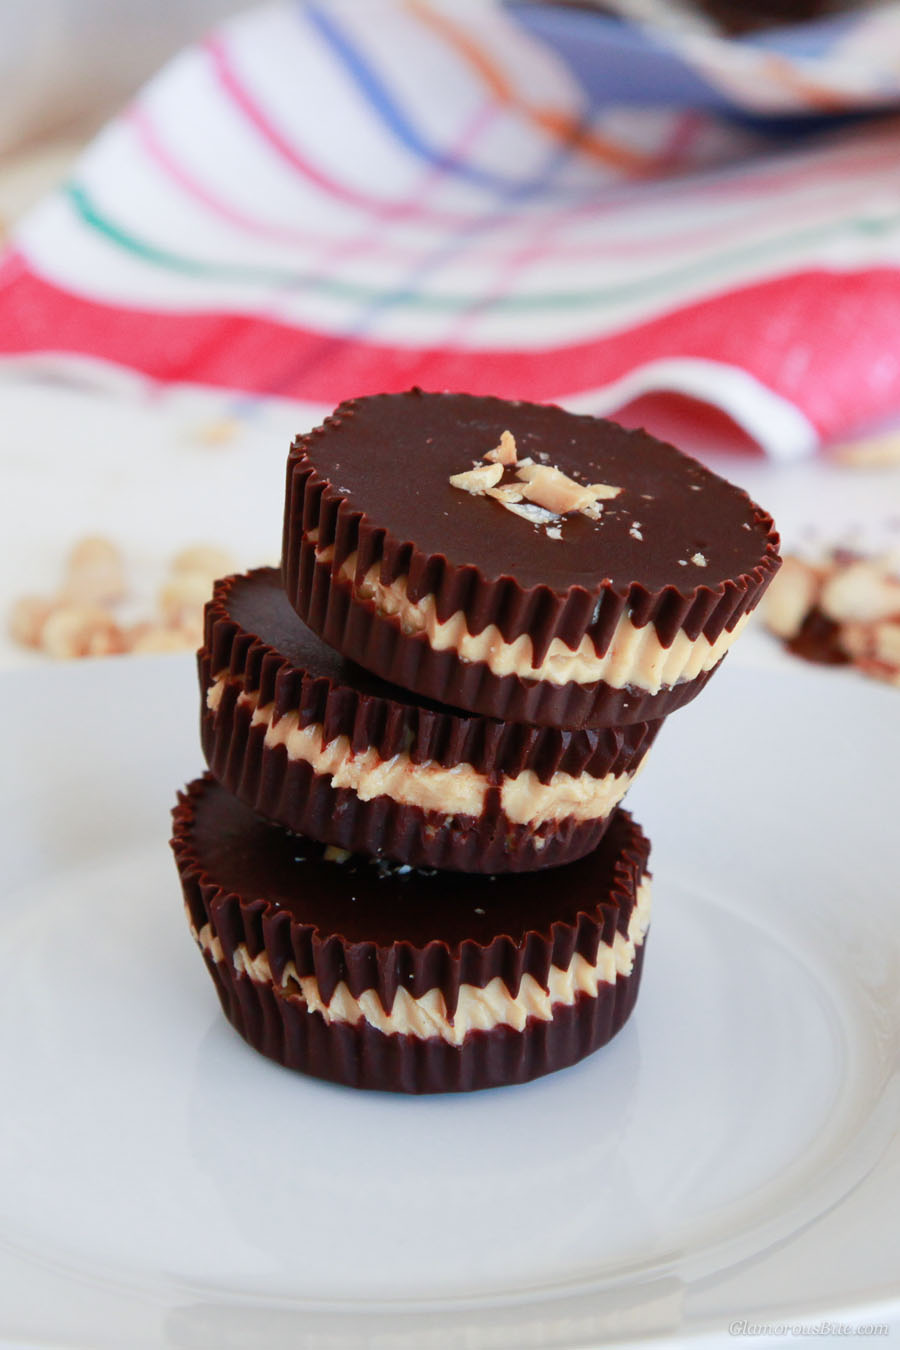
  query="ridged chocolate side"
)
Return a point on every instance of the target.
[
  {"x": 346, "y": 700},
  {"x": 314, "y": 502},
  {"x": 288, "y": 792},
  {"x": 362, "y": 1057},
  {"x": 377, "y": 642},
  {"x": 598, "y": 894}
]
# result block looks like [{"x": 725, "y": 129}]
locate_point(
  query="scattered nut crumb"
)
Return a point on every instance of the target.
[
  {"x": 870, "y": 452},
  {"x": 81, "y": 619},
  {"x": 862, "y": 591},
  {"x": 554, "y": 532},
  {"x": 205, "y": 559},
  {"x": 27, "y": 619},
  {"x": 635, "y": 530},
  {"x": 841, "y": 609},
  {"x": 334, "y": 854},
  {"x": 81, "y": 630},
  {"x": 698, "y": 560},
  {"x": 182, "y": 595},
  {"x": 146, "y": 637},
  {"x": 217, "y": 431},
  {"x": 790, "y": 597},
  {"x": 94, "y": 572},
  {"x": 505, "y": 452}
]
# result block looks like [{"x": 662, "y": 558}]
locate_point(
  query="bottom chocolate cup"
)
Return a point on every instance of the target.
[
  {"x": 378, "y": 976},
  {"x": 361, "y": 1056}
]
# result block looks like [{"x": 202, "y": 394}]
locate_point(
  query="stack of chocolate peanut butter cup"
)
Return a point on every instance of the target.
[{"x": 407, "y": 867}]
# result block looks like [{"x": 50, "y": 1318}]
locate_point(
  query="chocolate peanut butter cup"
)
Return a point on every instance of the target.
[
  {"x": 517, "y": 560},
  {"x": 384, "y": 976},
  {"x": 317, "y": 744}
]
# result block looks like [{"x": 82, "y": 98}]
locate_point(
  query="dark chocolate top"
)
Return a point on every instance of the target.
[
  {"x": 391, "y": 457},
  {"x": 362, "y": 900},
  {"x": 257, "y": 602}
]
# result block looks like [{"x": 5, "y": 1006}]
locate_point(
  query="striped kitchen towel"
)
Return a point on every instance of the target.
[{"x": 331, "y": 198}]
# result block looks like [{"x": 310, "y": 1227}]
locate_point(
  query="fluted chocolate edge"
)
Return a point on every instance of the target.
[
  {"x": 376, "y": 641},
  {"x": 288, "y": 792},
  {"x": 283, "y": 1029},
  {"x": 445, "y": 736}
]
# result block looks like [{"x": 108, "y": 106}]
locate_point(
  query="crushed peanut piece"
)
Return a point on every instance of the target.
[
  {"x": 81, "y": 620},
  {"x": 95, "y": 573},
  {"x": 507, "y": 493},
  {"x": 217, "y": 431},
  {"x": 478, "y": 480},
  {"x": 146, "y": 638},
  {"x": 556, "y": 491},
  {"x": 862, "y": 592},
  {"x": 790, "y": 597},
  {"x": 27, "y": 618},
  {"x": 182, "y": 598},
  {"x": 206, "y": 559},
  {"x": 505, "y": 452},
  {"x": 81, "y": 630},
  {"x": 698, "y": 560},
  {"x": 871, "y": 452},
  {"x": 856, "y": 599}
]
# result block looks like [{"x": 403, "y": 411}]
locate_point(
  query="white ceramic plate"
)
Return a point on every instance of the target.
[{"x": 731, "y": 1155}]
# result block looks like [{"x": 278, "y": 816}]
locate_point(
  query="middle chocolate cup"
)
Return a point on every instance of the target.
[{"x": 315, "y": 743}]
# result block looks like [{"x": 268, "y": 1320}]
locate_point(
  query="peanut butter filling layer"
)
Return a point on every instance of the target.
[
  {"x": 459, "y": 790},
  {"x": 478, "y": 1009},
  {"x": 636, "y": 657}
]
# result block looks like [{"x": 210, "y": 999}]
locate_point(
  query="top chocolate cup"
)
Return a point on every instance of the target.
[{"x": 615, "y": 613}]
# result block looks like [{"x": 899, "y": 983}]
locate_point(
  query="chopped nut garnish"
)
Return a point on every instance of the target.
[
  {"x": 698, "y": 560},
  {"x": 478, "y": 480},
  {"x": 554, "y": 532},
  {"x": 545, "y": 494},
  {"x": 505, "y": 452}
]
